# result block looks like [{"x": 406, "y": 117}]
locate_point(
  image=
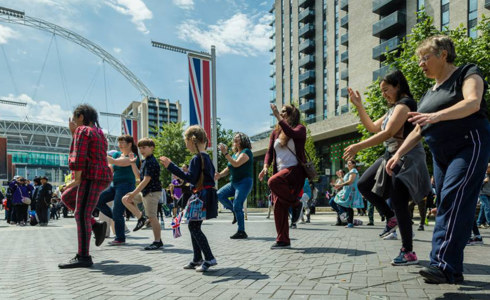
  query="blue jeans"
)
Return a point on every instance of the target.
[
  {"x": 339, "y": 209},
  {"x": 240, "y": 191},
  {"x": 117, "y": 213},
  {"x": 484, "y": 215}
]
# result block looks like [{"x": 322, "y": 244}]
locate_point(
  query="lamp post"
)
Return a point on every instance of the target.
[{"x": 212, "y": 57}]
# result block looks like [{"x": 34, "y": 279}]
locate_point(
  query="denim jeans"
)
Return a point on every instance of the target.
[
  {"x": 484, "y": 215},
  {"x": 240, "y": 191},
  {"x": 339, "y": 209},
  {"x": 117, "y": 213}
]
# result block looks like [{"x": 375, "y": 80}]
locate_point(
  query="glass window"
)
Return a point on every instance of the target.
[
  {"x": 472, "y": 17},
  {"x": 444, "y": 13}
]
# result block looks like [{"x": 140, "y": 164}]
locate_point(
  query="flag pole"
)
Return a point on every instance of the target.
[{"x": 214, "y": 113}]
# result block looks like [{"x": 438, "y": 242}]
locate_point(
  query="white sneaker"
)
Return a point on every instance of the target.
[{"x": 391, "y": 236}]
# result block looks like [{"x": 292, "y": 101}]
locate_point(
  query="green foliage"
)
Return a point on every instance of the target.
[
  {"x": 310, "y": 149},
  {"x": 468, "y": 50},
  {"x": 225, "y": 136},
  {"x": 170, "y": 143}
]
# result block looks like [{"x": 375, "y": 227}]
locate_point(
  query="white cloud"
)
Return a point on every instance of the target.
[
  {"x": 184, "y": 4},
  {"x": 117, "y": 50},
  {"x": 241, "y": 34},
  {"x": 6, "y": 33},
  {"x": 134, "y": 8},
  {"x": 41, "y": 111}
]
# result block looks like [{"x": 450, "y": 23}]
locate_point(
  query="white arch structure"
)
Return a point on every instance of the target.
[{"x": 17, "y": 17}]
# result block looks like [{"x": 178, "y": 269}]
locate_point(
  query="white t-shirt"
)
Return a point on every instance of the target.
[{"x": 284, "y": 157}]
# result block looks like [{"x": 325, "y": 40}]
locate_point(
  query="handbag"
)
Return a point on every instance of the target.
[
  {"x": 195, "y": 210},
  {"x": 26, "y": 200},
  {"x": 308, "y": 166}
]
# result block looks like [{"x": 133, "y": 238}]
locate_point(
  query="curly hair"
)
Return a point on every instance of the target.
[{"x": 244, "y": 141}]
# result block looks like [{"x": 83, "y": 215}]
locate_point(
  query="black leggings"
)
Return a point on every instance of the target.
[
  {"x": 366, "y": 184},
  {"x": 399, "y": 199},
  {"x": 200, "y": 243},
  {"x": 350, "y": 215}
]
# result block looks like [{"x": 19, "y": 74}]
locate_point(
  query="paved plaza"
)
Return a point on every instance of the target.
[{"x": 325, "y": 262}]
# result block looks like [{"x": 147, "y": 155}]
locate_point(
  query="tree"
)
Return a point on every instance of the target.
[
  {"x": 170, "y": 142},
  {"x": 468, "y": 50},
  {"x": 225, "y": 136}
]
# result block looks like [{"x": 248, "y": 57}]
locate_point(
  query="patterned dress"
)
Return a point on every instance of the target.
[{"x": 349, "y": 196}]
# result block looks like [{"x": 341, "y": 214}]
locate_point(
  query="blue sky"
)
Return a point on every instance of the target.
[{"x": 125, "y": 28}]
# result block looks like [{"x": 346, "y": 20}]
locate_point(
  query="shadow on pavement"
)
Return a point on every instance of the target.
[
  {"x": 264, "y": 238},
  {"x": 312, "y": 229},
  {"x": 461, "y": 296},
  {"x": 348, "y": 252},
  {"x": 229, "y": 274},
  {"x": 111, "y": 267}
]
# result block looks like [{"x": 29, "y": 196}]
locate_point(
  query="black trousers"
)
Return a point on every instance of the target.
[
  {"x": 42, "y": 213},
  {"x": 200, "y": 243}
]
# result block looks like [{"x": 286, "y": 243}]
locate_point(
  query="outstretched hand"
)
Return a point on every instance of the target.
[
  {"x": 423, "y": 119},
  {"x": 165, "y": 161},
  {"x": 355, "y": 97}
]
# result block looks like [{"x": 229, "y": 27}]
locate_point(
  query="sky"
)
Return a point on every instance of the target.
[{"x": 53, "y": 75}]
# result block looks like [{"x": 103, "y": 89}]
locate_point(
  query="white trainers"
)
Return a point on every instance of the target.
[
  {"x": 206, "y": 265},
  {"x": 391, "y": 236}
]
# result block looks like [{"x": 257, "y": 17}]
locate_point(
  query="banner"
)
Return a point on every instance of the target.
[
  {"x": 200, "y": 93},
  {"x": 130, "y": 127}
]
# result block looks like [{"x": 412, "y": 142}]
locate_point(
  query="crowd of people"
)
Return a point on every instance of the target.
[{"x": 393, "y": 184}]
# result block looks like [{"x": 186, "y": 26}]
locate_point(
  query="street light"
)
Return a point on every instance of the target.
[{"x": 211, "y": 57}]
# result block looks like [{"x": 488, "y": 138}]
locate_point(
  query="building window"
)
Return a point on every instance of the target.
[
  {"x": 444, "y": 14},
  {"x": 337, "y": 56},
  {"x": 420, "y": 5},
  {"x": 472, "y": 17}
]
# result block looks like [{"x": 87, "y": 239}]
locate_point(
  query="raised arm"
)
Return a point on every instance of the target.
[
  {"x": 355, "y": 99},
  {"x": 396, "y": 122}
]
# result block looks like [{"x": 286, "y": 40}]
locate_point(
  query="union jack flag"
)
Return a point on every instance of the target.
[
  {"x": 130, "y": 127},
  {"x": 200, "y": 93}
]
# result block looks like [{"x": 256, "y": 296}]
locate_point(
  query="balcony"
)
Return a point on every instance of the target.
[
  {"x": 308, "y": 106},
  {"x": 344, "y": 57},
  {"x": 380, "y": 73},
  {"x": 390, "y": 25},
  {"x": 305, "y": 3},
  {"x": 307, "y": 46},
  {"x": 306, "y": 31},
  {"x": 384, "y": 7},
  {"x": 344, "y": 93},
  {"x": 386, "y": 46},
  {"x": 307, "y": 61},
  {"x": 307, "y": 76},
  {"x": 344, "y": 22},
  {"x": 344, "y": 39},
  {"x": 308, "y": 91},
  {"x": 344, "y": 5},
  {"x": 306, "y": 15},
  {"x": 487, "y": 4},
  {"x": 344, "y": 75}
]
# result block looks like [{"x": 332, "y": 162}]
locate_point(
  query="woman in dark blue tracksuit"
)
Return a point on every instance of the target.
[{"x": 452, "y": 116}]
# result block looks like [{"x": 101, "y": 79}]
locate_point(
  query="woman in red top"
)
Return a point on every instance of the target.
[
  {"x": 286, "y": 147},
  {"x": 92, "y": 175}
]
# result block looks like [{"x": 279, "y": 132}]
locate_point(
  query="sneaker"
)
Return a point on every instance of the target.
[
  {"x": 293, "y": 226},
  {"x": 100, "y": 230},
  {"x": 155, "y": 246},
  {"x": 281, "y": 245},
  {"x": 350, "y": 225},
  {"x": 127, "y": 231},
  {"x": 140, "y": 224},
  {"x": 391, "y": 236},
  {"x": 206, "y": 265},
  {"x": 475, "y": 240},
  {"x": 308, "y": 221},
  {"x": 239, "y": 235},
  {"x": 435, "y": 275},
  {"x": 482, "y": 226},
  {"x": 421, "y": 227},
  {"x": 77, "y": 262},
  {"x": 405, "y": 258},
  {"x": 116, "y": 243},
  {"x": 357, "y": 222},
  {"x": 390, "y": 227},
  {"x": 192, "y": 265},
  {"x": 370, "y": 224}
]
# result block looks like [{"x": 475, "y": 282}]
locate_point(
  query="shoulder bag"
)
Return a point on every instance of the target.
[{"x": 308, "y": 166}]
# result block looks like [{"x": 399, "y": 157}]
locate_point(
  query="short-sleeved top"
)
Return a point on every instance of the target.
[
  {"x": 150, "y": 167},
  {"x": 243, "y": 171},
  {"x": 446, "y": 95},
  {"x": 393, "y": 143},
  {"x": 123, "y": 175}
]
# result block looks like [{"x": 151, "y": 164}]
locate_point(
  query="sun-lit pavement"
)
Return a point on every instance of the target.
[{"x": 325, "y": 262}]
